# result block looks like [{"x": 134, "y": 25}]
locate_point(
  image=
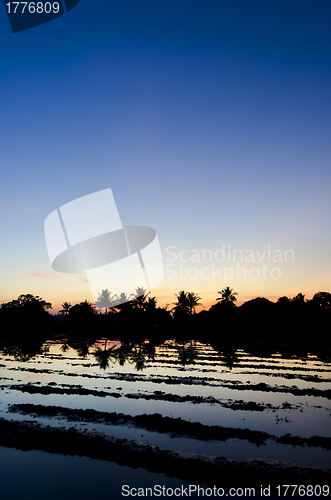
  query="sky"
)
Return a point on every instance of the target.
[{"x": 208, "y": 119}]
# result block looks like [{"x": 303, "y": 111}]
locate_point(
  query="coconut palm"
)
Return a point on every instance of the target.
[
  {"x": 87, "y": 306},
  {"x": 105, "y": 301},
  {"x": 186, "y": 302},
  {"x": 181, "y": 306},
  {"x": 66, "y": 307},
  {"x": 141, "y": 298},
  {"x": 227, "y": 296},
  {"x": 123, "y": 301},
  {"x": 150, "y": 305},
  {"x": 193, "y": 301}
]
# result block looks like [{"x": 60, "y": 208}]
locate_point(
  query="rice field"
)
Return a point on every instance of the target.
[{"x": 167, "y": 402}]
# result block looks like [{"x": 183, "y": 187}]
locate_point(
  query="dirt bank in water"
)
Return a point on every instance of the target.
[
  {"x": 53, "y": 388},
  {"x": 197, "y": 469},
  {"x": 194, "y": 380},
  {"x": 177, "y": 427}
]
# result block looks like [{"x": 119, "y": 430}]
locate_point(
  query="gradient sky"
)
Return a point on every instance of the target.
[{"x": 209, "y": 119}]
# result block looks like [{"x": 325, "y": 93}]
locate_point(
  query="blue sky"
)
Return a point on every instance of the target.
[{"x": 210, "y": 121}]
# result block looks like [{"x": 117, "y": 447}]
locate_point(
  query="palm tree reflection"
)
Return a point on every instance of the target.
[
  {"x": 229, "y": 357},
  {"x": 102, "y": 356},
  {"x": 131, "y": 352},
  {"x": 187, "y": 351},
  {"x": 25, "y": 350},
  {"x": 65, "y": 346},
  {"x": 82, "y": 349}
]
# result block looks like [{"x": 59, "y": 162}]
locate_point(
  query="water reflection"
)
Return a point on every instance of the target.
[
  {"x": 187, "y": 351},
  {"x": 82, "y": 347},
  {"x": 102, "y": 355},
  {"x": 229, "y": 357},
  {"x": 24, "y": 350},
  {"x": 121, "y": 352},
  {"x": 82, "y": 350},
  {"x": 65, "y": 347},
  {"x": 142, "y": 352},
  {"x": 213, "y": 382}
]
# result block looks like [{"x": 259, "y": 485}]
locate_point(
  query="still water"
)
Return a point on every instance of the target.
[{"x": 233, "y": 388}]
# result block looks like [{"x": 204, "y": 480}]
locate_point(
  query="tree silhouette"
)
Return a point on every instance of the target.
[
  {"x": 105, "y": 301},
  {"x": 141, "y": 297},
  {"x": 284, "y": 300},
  {"x": 28, "y": 301},
  {"x": 193, "y": 301},
  {"x": 82, "y": 316},
  {"x": 87, "y": 306},
  {"x": 299, "y": 299},
  {"x": 150, "y": 305},
  {"x": 181, "y": 306},
  {"x": 66, "y": 307},
  {"x": 27, "y": 314},
  {"x": 123, "y": 301},
  {"x": 186, "y": 303},
  {"x": 322, "y": 299},
  {"x": 227, "y": 296}
]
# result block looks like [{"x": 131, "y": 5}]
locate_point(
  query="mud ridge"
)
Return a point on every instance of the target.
[
  {"x": 203, "y": 381},
  {"x": 168, "y": 425},
  {"x": 161, "y": 395},
  {"x": 194, "y": 468},
  {"x": 51, "y": 388}
]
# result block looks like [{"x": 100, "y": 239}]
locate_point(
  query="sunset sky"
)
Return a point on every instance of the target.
[{"x": 208, "y": 119}]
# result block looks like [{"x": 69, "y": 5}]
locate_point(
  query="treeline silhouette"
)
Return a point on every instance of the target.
[{"x": 289, "y": 321}]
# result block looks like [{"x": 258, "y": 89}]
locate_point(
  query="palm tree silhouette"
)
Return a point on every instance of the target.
[
  {"x": 193, "y": 301},
  {"x": 141, "y": 298},
  {"x": 227, "y": 296},
  {"x": 181, "y": 306},
  {"x": 123, "y": 301},
  {"x": 87, "y": 306},
  {"x": 105, "y": 301},
  {"x": 150, "y": 305},
  {"x": 186, "y": 302},
  {"x": 66, "y": 307}
]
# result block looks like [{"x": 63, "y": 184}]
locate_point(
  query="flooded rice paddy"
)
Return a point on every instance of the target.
[{"x": 164, "y": 403}]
